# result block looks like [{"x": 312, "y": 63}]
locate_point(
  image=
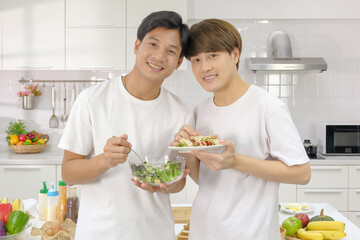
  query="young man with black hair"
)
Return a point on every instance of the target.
[
  {"x": 238, "y": 188},
  {"x": 140, "y": 114}
]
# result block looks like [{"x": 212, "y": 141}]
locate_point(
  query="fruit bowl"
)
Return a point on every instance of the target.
[
  {"x": 19, "y": 236},
  {"x": 158, "y": 169},
  {"x": 28, "y": 148}
]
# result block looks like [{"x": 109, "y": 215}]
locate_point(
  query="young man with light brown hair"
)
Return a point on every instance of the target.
[{"x": 238, "y": 188}]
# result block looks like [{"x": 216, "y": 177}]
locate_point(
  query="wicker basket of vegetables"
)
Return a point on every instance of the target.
[{"x": 22, "y": 141}]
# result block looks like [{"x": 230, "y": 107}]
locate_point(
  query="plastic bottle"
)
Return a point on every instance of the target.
[
  {"x": 61, "y": 209},
  {"x": 43, "y": 203},
  {"x": 53, "y": 201},
  {"x": 72, "y": 204}
]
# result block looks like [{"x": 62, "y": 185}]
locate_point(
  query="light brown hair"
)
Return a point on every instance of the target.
[{"x": 213, "y": 35}]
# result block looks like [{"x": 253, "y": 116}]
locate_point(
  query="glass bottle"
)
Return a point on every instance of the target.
[{"x": 72, "y": 204}]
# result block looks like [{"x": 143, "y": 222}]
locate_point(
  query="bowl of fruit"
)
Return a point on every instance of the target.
[
  {"x": 22, "y": 141},
  {"x": 155, "y": 170}
]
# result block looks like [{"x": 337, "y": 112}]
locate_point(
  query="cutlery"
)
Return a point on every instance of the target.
[{"x": 54, "y": 120}]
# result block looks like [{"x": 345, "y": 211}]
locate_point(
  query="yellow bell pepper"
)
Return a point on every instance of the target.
[
  {"x": 14, "y": 139},
  {"x": 17, "y": 204}
]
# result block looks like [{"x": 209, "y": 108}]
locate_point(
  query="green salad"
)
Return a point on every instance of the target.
[{"x": 156, "y": 174}]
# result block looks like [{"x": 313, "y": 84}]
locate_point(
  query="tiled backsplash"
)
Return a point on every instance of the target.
[{"x": 333, "y": 95}]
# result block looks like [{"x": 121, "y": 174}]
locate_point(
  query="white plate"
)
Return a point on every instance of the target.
[
  {"x": 211, "y": 148},
  {"x": 293, "y": 211}
]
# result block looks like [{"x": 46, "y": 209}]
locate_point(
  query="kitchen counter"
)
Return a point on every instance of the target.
[
  {"x": 50, "y": 155},
  {"x": 351, "y": 230},
  {"x": 54, "y": 155}
]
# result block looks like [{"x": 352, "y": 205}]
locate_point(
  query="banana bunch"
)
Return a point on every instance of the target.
[{"x": 319, "y": 230}]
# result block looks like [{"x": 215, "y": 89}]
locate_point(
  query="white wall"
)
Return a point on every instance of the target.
[{"x": 311, "y": 97}]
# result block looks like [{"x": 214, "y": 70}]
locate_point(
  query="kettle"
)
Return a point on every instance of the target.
[{"x": 310, "y": 149}]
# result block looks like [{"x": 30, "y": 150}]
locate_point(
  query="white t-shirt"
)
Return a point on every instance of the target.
[
  {"x": 111, "y": 207},
  {"x": 232, "y": 205}
]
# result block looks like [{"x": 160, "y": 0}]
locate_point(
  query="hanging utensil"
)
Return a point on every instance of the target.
[
  {"x": 73, "y": 94},
  {"x": 64, "y": 117},
  {"x": 54, "y": 120}
]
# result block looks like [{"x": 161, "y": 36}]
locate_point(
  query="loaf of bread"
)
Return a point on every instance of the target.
[{"x": 184, "y": 234}]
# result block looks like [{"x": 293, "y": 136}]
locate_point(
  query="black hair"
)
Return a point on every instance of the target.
[{"x": 168, "y": 20}]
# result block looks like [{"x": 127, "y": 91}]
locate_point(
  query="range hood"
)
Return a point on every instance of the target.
[{"x": 282, "y": 60}]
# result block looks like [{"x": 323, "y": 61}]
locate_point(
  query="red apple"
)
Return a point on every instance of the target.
[
  {"x": 22, "y": 137},
  {"x": 303, "y": 218}
]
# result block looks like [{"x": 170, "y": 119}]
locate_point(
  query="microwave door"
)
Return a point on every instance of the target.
[{"x": 343, "y": 140}]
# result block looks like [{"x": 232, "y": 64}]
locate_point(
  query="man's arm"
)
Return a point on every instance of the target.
[
  {"x": 276, "y": 171},
  {"x": 76, "y": 169}
]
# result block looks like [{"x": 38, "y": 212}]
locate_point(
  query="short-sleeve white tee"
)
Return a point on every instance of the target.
[
  {"x": 233, "y": 205},
  {"x": 111, "y": 207}
]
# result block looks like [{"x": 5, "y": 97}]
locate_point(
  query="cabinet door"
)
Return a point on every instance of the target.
[
  {"x": 25, "y": 181},
  {"x": 287, "y": 193},
  {"x": 92, "y": 13},
  {"x": 328, "y": 177},
  {"x": 354, "y": 199},
  {"x": 338, "y": 198},
  {"x": 135, "y": 13},
  {"x": 355, "y": 218},
  {"x": 33, "y": 34},
  {"x": 95, "y": 48},
  {"x": 354, "y": 176}
]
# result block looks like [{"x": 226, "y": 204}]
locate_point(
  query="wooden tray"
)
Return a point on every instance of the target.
[{"x": 28, "y": 148}]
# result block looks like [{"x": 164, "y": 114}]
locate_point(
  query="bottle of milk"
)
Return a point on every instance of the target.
[{"x": 43, "y": 203}]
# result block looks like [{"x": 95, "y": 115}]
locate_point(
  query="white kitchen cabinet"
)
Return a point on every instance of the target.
[
  {"x": 25, "y": 181},
  {"x": 328, "y": 177},
  {"x": 33, "y": 34},
  {"x": 135, "y": 13},
  {"x": 95, "y": 13},
  {"x": 1, "y": 39},
  {"x": 281, "y": 9},
  {"x": 187, "y": 195},
  {"x": 354, "y": 176},
  {"x": 338, "y": 198},
  {"x": 355, "y": 218},
  {"x": 328, "y": 184},
  {"x": 287, "y": 193},
  {"x": 95, "y": 48}
]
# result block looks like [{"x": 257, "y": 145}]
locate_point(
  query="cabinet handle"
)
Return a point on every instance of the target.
[
  {"x": 32, "y": 67},
  {"x": 95, "y": 67},
  {"x": 357, "y": 215},
  {"x": 323, "y": 191},
  {"x": 21, "y": 168},
  {"x": 326, "y": 168},
  {"x": 357, "y": 169},
  {"x": 95, "y": 24}
]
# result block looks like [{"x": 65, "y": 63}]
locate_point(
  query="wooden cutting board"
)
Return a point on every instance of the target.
[
  {"x": 181, "y": 214},
  {"x": 291, "y": 238}
]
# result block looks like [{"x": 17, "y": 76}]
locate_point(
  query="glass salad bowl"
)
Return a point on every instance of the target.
[
  {"x": 158, "y": 169},
  {"x": 19, "y": 236}
]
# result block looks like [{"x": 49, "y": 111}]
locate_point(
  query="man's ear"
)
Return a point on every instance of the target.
[
  {"x": 179, "y": 62},
  {"x": 235, "y": 54},
  {"x": 137, "y": 45}
]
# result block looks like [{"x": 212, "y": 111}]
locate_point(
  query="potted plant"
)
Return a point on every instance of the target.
[{"x": 27, "y": 95}]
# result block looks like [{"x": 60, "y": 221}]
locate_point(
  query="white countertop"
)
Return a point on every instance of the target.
[
  {"x": 54, "y": 155},
  {"x": 351, "y": 230},
  {"x": 50, "y": 155}
]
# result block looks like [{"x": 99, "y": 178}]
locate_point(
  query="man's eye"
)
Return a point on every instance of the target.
[
  {"x": 212, "y": 55},
  {"x": 152, "y": 44},
  {"x": 195, "y": 60}
]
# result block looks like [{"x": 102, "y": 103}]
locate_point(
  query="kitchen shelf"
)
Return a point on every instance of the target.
[{"x": 22, "y": 81}]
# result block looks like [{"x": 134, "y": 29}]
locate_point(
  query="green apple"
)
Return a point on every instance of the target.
[{"x": 291, "y": 224}]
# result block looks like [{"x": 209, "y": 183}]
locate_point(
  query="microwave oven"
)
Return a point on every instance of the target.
[{"x": 339, "y": 139}]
